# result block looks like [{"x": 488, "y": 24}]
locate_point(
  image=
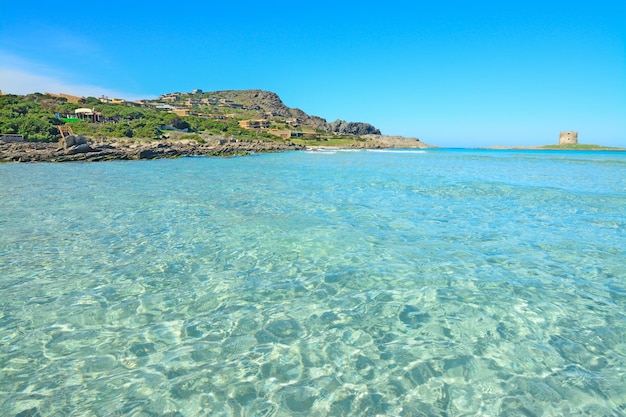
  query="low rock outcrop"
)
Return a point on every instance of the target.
[
  {"x": 384, "y": 141},
  {"x": 51, "y": 152},
  {"x": 74, "y": 144},
  {"x": 72, "y": 140}
]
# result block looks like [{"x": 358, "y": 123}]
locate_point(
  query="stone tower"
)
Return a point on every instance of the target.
[{"x": 568, "y": 138}]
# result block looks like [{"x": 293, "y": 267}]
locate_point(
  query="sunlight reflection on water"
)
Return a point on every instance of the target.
[{"x": 349, "y": 283}]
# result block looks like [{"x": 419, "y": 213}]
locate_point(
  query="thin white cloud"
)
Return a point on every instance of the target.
[{"x": 15, "y": 79}]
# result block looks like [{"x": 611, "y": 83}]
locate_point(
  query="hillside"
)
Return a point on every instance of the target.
[
  {"x": 268, "y": 105},
  {"x": 197, "y": 115}
]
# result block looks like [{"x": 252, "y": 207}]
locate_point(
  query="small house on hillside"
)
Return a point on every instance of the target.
[
  {"x": 255, "y": 124},
  {"x": 85, "y": 113},
  {"x": 111, "y": 100},
  {"x": 170, "y": 97},
  {"x": 191, "y": 102},
  {"x": 281, "y": 133},
  {"x": 183, "y": 112},
  {"x": 70, "y": 98},
  {"x": 165, "y": 107}
]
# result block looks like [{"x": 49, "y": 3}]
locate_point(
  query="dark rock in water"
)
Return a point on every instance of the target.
[
  {"x": 461, "y": 361},
  {"x": 143, "y": 349},
  {"x": 421, "y": 373},
  {"x": 243, "y": 393},
  {"x": 31, "y": 412},
  {"x": 412, "y": 317},
  {"x": 372, "y": 404},
  {"x": 332, "y": 277},
  {"x": 285, "y": 330},
  {"x": 298, "y": 399},
  {"x": 263, "y": 336},
  {"x": 343, "y": 407},
  {"x": 365, "y": 367},
  {"x": 329, "y": 317}
]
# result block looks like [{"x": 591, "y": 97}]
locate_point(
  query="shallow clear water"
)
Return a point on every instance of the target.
[{"x": 399, "y": 283}]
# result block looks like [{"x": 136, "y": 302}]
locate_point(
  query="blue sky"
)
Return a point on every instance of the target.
[{"x": 463, "y": 74}]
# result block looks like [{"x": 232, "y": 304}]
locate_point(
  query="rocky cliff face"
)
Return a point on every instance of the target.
[
  {"x": 353, "y": 128},
  {"x": 271, "y": 104}
]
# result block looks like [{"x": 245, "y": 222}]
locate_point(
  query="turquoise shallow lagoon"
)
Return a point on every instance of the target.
[{"x": 394, "y": 283}]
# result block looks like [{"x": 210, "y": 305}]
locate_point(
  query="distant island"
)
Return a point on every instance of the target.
[
  {"x": 63, "y": 127},
  {"x": 567, "y": 141},
  {"x": 577, "y": 147}
]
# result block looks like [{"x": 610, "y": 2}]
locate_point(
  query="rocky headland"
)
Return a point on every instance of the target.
[
  {"x": 270, "y": 104},
  {"x": 383, "y": 141},
  {"x": 219, "y": 123},
  {"x": 81, "y": 148}
]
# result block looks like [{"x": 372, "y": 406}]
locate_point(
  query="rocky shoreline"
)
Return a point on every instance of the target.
[
  {"x": 87, "y": 150},
  {"x": 80, "y": 148},
  {"x": 386, "y": 141}
]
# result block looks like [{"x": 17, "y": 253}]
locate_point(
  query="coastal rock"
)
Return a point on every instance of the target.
[
  {"x": 72, "y": 140},
  {"x": 162, "y": 150},
  {"x": 50, "y": 152},
  {"x": 384, "y": 141},
  {"x": 147, "y": 154},
  {"x": 27, "y": 151},
  {"x": 353, "y": 128},
  {"x": 81, "y": 148}
]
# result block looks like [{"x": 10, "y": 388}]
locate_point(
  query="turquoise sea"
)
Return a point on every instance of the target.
[{"x": 329, "y": 283}]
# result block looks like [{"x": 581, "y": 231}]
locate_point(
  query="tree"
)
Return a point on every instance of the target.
[
  {"x": 179, "y": 123},
  {"x": 89, "y": 101},
  {"x": 35, "y": 127}
]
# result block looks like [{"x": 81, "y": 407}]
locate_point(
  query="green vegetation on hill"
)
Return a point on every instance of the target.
[
  {"x": 36, "y": 117},
  {"x": 32, "y": 116},
  {"x": 580, "y": 146},
  {"x": 203, "y": 115}
]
